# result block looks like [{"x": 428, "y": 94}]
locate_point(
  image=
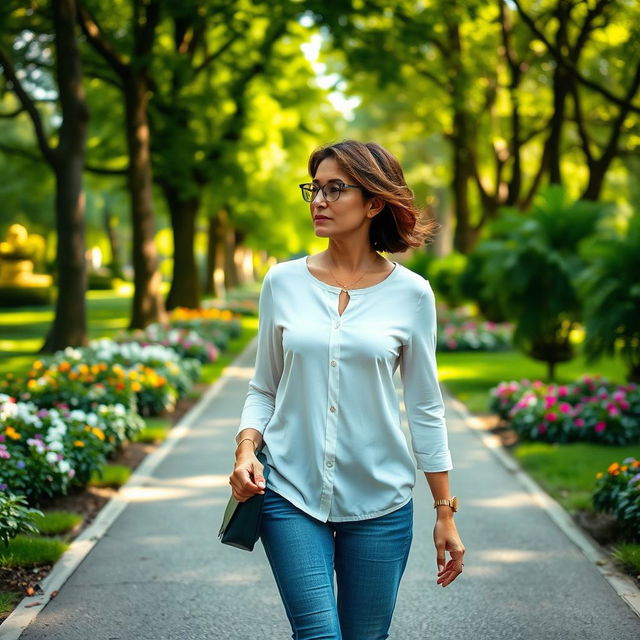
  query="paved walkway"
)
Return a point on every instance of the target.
[{"x": 160, "y": 573}]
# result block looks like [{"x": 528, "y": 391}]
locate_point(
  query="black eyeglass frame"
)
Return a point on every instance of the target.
[{"x": 313, "y": 191}]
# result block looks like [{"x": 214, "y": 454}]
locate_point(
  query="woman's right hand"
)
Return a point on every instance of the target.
[{"x": 247, "y": 479}]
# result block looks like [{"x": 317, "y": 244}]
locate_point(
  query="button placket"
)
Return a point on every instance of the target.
[{"x": 333, "y": 405}]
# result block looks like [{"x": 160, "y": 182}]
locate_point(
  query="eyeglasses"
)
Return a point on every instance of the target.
[{"x": 331, "y": 191}]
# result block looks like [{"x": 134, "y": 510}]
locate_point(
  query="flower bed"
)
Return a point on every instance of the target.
[
  {"x": 618, "y": 492},
  {"x": 46, "y": 451},
  {"x": 459, "y": 331},
  {"x": 591, "y": 409}
]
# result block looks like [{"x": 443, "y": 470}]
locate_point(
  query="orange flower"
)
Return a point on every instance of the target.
[
  {"x": 64, "y": 366},
  {"x": 98, "y": 432},
  {"x": 78, "y": 443},
  {"x": 32, "y": 384},
  {"x": 83, "y": 369},
  {"x": 613, "y": 467},
  {"x": 136, "y": 386},
  {"x": 95, "y": 369},
  {"x": 624, "y": 467},
  {"x": 636, "y": 463},
  {"x": 12, "y": 433}
]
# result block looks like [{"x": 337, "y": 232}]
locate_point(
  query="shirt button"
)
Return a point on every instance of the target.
[
  {"x": 333, "y": 363},
  {"x": 332, "y": 409},
  {"x": 329, "y": 464},
  {"x": 337, "y": 325}
]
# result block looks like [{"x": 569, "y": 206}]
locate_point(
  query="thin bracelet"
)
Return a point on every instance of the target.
[{"x": 255, "y": 448}]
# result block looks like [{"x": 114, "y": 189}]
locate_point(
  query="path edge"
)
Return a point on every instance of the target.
[
  {"x": 30, "y": 606},
  {"x": 624, "y": 586}
]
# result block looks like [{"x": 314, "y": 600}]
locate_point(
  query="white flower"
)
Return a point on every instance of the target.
[
  {"x": 51, "y": 457},
  {"x": 56, "y": 445},
  {"x": 64, "y": 466}
]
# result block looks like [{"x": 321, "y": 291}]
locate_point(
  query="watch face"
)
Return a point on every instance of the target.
[{"x": 455, "y": 503}]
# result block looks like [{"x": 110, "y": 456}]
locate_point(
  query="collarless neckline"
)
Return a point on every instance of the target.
[{"x": 362, "y": 290}]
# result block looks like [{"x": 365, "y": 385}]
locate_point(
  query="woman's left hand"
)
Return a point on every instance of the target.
[{"x": 447, "y": 538}]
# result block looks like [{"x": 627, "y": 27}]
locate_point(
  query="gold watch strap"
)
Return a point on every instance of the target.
[{"x": 449, "y": 502}]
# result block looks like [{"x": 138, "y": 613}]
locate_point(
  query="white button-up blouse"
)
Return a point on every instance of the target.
[{"x": 323, "y": 397}]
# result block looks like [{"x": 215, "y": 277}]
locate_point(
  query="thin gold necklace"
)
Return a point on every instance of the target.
[{"x": 345, "y": 287}]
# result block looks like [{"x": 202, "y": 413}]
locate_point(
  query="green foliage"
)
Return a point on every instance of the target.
[
  {"x": 444, "y": 274},
  {"x": 27, "y": 551},
  {"x": 15, "y": 516},
  {"x": 610, "y": 289},
  {"x": 629, "y": 554},
  {"x": 618, "y": 491},
  {"x": 567, "y": 471},
  {"x": 529, "y": 266},
  {"x": 56, "y": 522},
  {"x": 25, "y": 296},
  {"x": 111, "y": 475}
]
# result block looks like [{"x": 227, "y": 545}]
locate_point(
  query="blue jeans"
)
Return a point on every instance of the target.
[{"x": 368, "y": 556}]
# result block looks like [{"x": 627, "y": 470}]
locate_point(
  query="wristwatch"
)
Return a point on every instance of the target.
[{"x": 451, "y": 502}]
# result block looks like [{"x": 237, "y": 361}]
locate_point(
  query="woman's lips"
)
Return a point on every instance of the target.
[{"x": 320, "y": 218}]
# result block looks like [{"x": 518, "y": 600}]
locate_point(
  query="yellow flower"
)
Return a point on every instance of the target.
[
  {"x": 98, "y": 432},
  {"x": 12, "y": 433},
  {"x": 136, "y": 386},
  {"x": 624, "y": 467},
  {"x": 78, "y": 443},
  {"x": 599, "y": 475},
  {"x": 83, "y": 369},
  {"x": 32, "y": 384},
  {"x": 95, "y": 369},
  {"x": 37, "y": 364}
]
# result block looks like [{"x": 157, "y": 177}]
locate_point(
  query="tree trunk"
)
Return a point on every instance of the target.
[
  {"x": 185, "y": 284},
  {"x": 148, "y": 305},
  {"x": 115, "y": 265},
  {"x": 70, "y": 323},
  {"x": 213, "y": 256},
  {"x": 229, "y": 247}
]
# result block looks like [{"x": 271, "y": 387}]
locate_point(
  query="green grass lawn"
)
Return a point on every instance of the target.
[
  {"x": 22, "y": 331},
  {"x": 470, "y": 375}
]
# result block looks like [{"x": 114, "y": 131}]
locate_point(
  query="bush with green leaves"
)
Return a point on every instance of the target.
[
  {"x": 444, "y": 275},
  {"x": 16, "y": 516},
  {"x": 610, "y": 290},
  {"x": 618, "y": 492},
  {"x": 529, "y": 266},
  {"x": 458, "y": 330},
  {"x": 43, "y": 452},
  {"x": 593, "y": 409}
]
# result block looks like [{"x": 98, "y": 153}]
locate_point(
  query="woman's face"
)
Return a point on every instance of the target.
[{"x": 344, "y": 215}]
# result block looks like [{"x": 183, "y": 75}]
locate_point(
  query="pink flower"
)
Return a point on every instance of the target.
[
  {"x": 549, "y": 401},
  {"x": 563, "y": 391},
  {"x": 612, "y": 410},
  {"x": 624, "y": 405},
  {"x": 538, "y": 383},
  {"x": 565, "y": 407},
  {"x": 452, "y": 344},
  {"x": 579, "y": 422},
  {"x": 551, "y": 416},
  {"x": 600, "y": 426},
  {"x": 542, "y": 428}
]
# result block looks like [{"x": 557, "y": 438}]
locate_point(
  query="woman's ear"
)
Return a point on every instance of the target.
[{"x": 376, "y": 205}]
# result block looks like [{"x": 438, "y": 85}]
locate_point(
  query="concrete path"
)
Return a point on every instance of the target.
[{"x": 159, "y": 572}]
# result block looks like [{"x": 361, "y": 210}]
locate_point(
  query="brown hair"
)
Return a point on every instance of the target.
[{"x": 399, "y": 225}]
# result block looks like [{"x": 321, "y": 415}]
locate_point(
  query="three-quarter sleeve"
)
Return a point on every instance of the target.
[
  {"x": 260, "y": 401},
  {"x": 422, "y": 398}
]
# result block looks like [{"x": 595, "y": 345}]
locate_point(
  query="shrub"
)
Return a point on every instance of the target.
[
  {"x": 15, "y": 516},
  {"x": 618, "y": 491},
  {"x": 592, "y": 409}
]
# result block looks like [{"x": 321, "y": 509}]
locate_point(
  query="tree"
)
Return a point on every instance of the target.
[
  {"x": 131, "y": 74},
  {"x": 66, "y": 158},
  {"x": 530, "y": 265}
]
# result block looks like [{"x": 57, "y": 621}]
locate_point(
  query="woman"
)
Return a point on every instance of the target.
[{"x": 333, "y": 328}]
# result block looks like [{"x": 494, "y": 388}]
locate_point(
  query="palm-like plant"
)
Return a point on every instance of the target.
[
  {"x": 610, "y": 290},
  {"x": 529, "y": 265}
]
